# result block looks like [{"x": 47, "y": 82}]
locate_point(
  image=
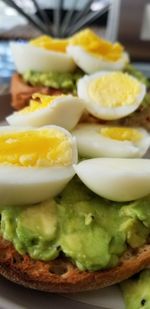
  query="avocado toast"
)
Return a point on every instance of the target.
[
  {"x": 66, "y": 233},
  {"x": 22, "y": 89},
  {"x": 80, "y": 242},
  {"x": 84, "y": 53}
]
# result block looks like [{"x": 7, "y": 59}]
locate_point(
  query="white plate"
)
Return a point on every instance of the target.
[
  {"x": 13, "y": 296},
  {"x": 110, "y": 298}
]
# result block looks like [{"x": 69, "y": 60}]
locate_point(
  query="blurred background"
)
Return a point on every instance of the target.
[{"x": 125, "y": 20}]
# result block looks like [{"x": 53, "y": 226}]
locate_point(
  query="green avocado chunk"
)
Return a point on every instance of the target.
[
  {"x": 93, "y": 232},
  {"x": 136, "y": 291},
  {"x": 88, "y": 228},
  {"x": 32, "y": 229},
  {"x": 65, "y": 81}
]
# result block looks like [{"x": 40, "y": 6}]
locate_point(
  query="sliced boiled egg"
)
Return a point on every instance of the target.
[
  {"x": 92, "y": 53},
  {"x": 118, "y": 180},
  {"x": 35, "y": 164},
  {"x": 43, "y": 54},
  {"x": 49, "y": 43},
  {"x": 94, "y": 140},
  {"x": 111, "y": 95},
  {"x": 64, "y": 111}
]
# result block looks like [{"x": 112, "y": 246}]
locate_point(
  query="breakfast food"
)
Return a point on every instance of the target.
[
  {"x": 77, "y": 241},
  {"x": 53, "y": 83},
  {"x": 45, "y": 110},
  {"x": 51, "y": 74},
  {"x": 119, "y": 180},
  {"x": 44, "y": 66},
  {"x": 21, "y": 92},
  {"x": 111, "y": 95},
  {"x": 117, "y": 96},
  {"x": 34, "y": 160},
  {"x": 43, "y": 54},
  {"x": 84, "y": 52},
  {"x": 92, "y": 53},
  {"x": 62, "y": 232},
  {"x": 96, "y": 140}
]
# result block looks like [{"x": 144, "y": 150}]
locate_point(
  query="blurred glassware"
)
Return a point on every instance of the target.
[{"x": 67, "y": 16}]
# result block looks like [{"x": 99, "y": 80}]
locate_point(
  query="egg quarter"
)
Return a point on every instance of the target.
[
  {"x": 64, "y": 111},
  {"x": 35, "y": 164},
  {"x": 91, "y": 63},
  {"x": 111, "y": 95},
  {"x": 95, "y": 140},
  {"x": 116, "y": 179},
  {"x": 93, "y": 53},
  {"x": 30, "y": 57}
]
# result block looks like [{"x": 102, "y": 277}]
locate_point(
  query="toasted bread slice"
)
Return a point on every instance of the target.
[
  {"x": 61, "y": 276},
  {"x": 21, "y": 92}
]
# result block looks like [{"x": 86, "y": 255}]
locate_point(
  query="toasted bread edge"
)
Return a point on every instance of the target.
[{"x": 61, "y": 276}]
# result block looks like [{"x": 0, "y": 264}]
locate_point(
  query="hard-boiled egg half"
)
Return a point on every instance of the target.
[
  {"x": 43, "y": 54},
  {"x": 94, "y": 140},
  {"x": 92, "y": 53},
  {"x": 111, "y": 95},
  {"x": 116, "y": 179},
  {"x": 64, "y": 111},
  {"x": 35, "y": 164}
]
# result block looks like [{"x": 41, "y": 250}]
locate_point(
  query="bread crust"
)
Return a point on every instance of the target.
[
  {"x": 21, "y": 92},
  {"x": 61, "y": 276}
]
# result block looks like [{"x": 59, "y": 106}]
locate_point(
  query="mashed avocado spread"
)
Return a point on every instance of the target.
[
  {"x": 68, "y": 81},
  {"x": 93, "y": 232},
  {"x": 65, "y": 81},
  {"x": 136, "y": 291}
]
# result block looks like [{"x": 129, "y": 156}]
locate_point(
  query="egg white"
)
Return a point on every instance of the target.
[
  {"x": 118, "y": 180},
  {"x": 90, "y": 63},
  {"x": 28, "y": 57},
  {"x": 101, "y": 112},
  {"x": 91, "y": 143},
  {"x": 64, "y": 111},
  {"x": 21, "y": 185}
]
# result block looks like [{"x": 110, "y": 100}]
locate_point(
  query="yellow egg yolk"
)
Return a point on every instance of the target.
[
  {"x": 39, "y": 102},
  {"x": 114, "y": 90},
  {"x": 36, "y": 148},
  {"x": 121, "y": 134},
  {"x": 47, "y": 42},
  {"x": 97, "y": 46}
]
